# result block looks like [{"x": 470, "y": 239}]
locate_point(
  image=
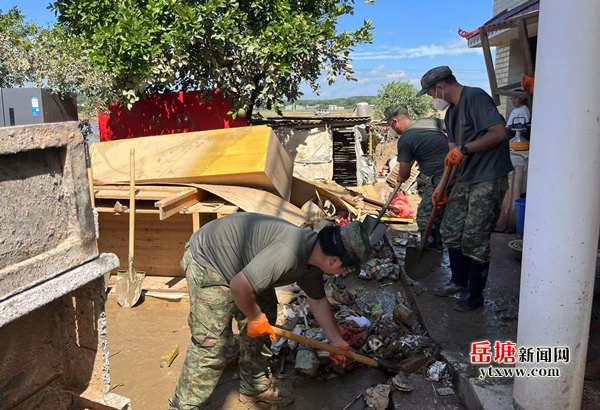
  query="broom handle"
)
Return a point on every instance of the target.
[
  {"x": 324, "y": 346},
  {"x": 131, "y": 201}
]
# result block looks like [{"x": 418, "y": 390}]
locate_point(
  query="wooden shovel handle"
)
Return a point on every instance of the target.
[
  {"x": 325, "y": 346},
  {"x": 447, "y": 176},
  {"x": 131, "y": 201}
]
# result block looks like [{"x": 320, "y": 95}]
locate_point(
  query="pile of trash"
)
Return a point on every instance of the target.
[{"x": 379, "y": 323}]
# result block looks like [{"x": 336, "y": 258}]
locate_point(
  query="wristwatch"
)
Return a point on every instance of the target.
[{"x": 463, "y": 150}]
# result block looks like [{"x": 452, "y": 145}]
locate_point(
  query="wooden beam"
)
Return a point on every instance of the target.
[
  {"x": 196, "y": 221},
  {"x": 152, "y": 193},
  {"x": 173, "y": 204},
  {"x": 524, "y": 37},
  {"x": 489, "y": 64}
]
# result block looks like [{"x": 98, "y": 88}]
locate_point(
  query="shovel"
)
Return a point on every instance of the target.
[
  {"x": 335, "y": 350},
  {"x": 374, "y": 227},
  {"x": 419, "y": 261},
  {"x": 129, "y": 282}
]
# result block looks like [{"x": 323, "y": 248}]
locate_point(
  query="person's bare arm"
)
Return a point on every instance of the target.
[
  {"x": 495, "y": 135},
  {"x": 403, "y": 172},
  {"x": 245, "y": 297},
  {"x": 321, "y": 310},
  {"x": 451, "y": 145}
]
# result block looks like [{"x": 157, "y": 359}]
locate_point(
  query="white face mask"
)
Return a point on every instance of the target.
[
  {"x": 393, "y": 132},
  {"x": 439, "y": 103}
]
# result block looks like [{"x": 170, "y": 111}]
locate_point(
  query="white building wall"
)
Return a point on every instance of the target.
[{"x": 503, "y": 54}]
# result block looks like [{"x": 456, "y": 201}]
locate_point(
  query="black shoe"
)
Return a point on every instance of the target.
[
  {"x": 468, "y": 303},
  {"x": 449, "y": 289}
]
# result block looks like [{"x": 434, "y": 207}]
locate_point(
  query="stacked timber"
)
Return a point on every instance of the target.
[{"x": 184, "y": 181}]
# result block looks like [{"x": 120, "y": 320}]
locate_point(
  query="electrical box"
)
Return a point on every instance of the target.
[{"x": 26, "y": 106}]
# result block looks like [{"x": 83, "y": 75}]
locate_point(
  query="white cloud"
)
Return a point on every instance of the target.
[
  {"x": 380, "y": 74},
  {"x": 452, "y": 48}
]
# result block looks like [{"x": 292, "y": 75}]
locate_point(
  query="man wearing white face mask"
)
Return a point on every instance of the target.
[
  {"x": 422, "y": 140},
  {"x": 479, "y": 148}
]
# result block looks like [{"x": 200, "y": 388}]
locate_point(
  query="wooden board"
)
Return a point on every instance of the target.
[
  {"x": 368, "y": 191},
  {"x": 303, "y": 190},
  {"x": 159, "y": 245},
  {"x": 254, "y": 200},
  {"x": 247, "y": 156},
  {"x": 171, "y": 283},
  {"x": 142, "y": 193}
]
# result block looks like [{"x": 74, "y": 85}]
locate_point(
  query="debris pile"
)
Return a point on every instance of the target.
[{"x": 378, "y": 323}]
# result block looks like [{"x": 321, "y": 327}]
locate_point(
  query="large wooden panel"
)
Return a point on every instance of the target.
[
  {"x": 159, "y": 245},
  {"x": 247, "y": 156}
]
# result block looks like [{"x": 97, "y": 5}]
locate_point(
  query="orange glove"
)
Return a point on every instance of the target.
[
  {"x": 454, "y": 157},
  {"x": 443, "y": 200},
  {"x": 260, "y": 327},
  {"x": 337, "y": 358},
  {"x": 528, "y": 83}
]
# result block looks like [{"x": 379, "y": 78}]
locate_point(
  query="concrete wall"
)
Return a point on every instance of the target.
[
  {"x": 46, "y": 223},
  {"x": 56, "y": 357}
]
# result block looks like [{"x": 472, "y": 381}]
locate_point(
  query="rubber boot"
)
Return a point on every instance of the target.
[
  {"x": 460, "y": 278},
  {"x": 478, "y": 274}
]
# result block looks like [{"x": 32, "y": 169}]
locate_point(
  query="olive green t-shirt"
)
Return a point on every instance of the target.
[
  {"x": 468, "y": 121},
  {"x": 269, "y": 251},
  {"x": 424, "y": 141}
]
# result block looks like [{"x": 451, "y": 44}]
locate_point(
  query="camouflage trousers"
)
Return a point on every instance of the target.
[
  {"x": 426, "y": 205},
  {"x": 471, "y": 216},
  {"x": 211, "y": 312}
]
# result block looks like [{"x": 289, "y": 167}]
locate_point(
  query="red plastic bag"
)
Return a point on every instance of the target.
[{"x": 405, "y": 210}]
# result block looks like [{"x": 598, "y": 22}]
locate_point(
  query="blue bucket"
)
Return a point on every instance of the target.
[{"x": 520, "y": 209}]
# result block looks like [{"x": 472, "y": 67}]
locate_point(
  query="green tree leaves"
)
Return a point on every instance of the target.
[
  {"x": 402, "y": 92},
  {"x": 36, "y": 56},
  {"x": 255, "y": 51}
]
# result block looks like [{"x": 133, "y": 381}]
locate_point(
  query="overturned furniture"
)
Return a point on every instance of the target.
[{"x": 53, "y": 334}]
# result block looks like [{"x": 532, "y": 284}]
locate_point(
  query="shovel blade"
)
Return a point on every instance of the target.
[
  {"x": 419, "y": 263},
  {"x": 375, "y": 229},
  {"x": 129, "y": 287}
]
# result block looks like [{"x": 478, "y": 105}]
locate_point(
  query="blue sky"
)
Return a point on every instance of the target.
[{"x": 410, "y": 37}]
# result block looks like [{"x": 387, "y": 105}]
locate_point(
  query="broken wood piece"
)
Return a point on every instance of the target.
[
  {"x": 167, "y": 359},
  {"x": 391, "y": 219},
  {"x": 254, "y": 200},
  {"x": 173, "y": 204}
]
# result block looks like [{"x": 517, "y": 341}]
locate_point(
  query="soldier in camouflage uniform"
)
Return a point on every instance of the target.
[
  {"x": 422, "y": 140},
  {"x": 479, "y": 148},
  {"x": 266, "y": 252}
]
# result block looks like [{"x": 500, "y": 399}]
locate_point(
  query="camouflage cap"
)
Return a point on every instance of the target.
[
  {"x": 395, "y": 111},
  {"x": 356, "y": 241},
  {"x": 432, "y": 77}
]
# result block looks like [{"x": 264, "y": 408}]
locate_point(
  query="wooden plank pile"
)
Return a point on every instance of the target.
[{"x": 184, "y": 181}]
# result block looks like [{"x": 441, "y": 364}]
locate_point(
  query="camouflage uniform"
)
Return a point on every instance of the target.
[
  {"x": 426, "y": 206},
  {"x": 471, "y": 215},
  {"x": 211, "y": 312}
]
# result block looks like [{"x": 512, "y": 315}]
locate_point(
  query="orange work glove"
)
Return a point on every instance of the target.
[
  {"x": 454, "y": 157},
  {"x": 337, "y": 358},
  {"x": 443, "y": 200},
  {"x": 260, "y": 327}
]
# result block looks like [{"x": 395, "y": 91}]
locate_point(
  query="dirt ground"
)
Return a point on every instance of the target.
[{"x": 139, "y": 336}]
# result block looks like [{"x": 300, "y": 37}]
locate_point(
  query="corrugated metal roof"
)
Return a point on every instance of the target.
[
  {"x": 284, "y": 121},
  {"x": 525, "y": 8}
]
